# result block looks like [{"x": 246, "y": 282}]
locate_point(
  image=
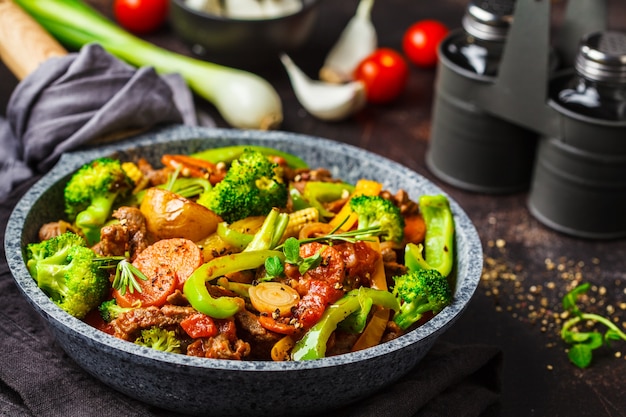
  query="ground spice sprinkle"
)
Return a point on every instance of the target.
[{"x": 540, "y": 304}]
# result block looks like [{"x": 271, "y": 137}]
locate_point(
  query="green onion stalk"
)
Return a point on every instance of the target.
[{"x": 244, "y": 100}]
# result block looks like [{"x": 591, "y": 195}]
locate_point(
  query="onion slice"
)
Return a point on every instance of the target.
[{"x": 273, "y": 297}]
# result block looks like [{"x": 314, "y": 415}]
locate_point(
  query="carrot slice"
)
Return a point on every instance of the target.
[
  {"x": 167, "y": 264},
  {"x": 277, "y": 326},
  {"x": 414, "y": 229}
]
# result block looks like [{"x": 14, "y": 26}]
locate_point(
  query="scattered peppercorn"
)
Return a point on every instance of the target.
[{"x": 540, "y": 304}]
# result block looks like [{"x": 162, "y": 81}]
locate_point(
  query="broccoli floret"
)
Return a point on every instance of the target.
[
  {"x": 64, "y": 269},
  {"x": 252, "y": 186},
  {"x": 159, "y": 339},
  {"x": 91, "y": 193},
  {"x": 378, "y": 211},
  {"x": 419, "y": 292},
  {"x": 110, "y": 310}
]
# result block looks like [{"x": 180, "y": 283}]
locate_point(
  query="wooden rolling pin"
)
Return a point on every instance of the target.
[{"x": 24, "y": 44}]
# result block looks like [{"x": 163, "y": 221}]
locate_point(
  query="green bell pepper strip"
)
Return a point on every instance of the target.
[
  {"x": 297, "y": 200},
  {"x": 228, "y": 154},
  {"x": 222, "y": 307},
  {"x": 355, "y": 323},
  {"x": 438, "y": 248},
  {"x": 239, "y": 288},
  {"x": 318, "y": 192},
  {"x": 313, "y": 343},
  {"x": 414, "y": 258},
  {"x": 233, "y": 237}
]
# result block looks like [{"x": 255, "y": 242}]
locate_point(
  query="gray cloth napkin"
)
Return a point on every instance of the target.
[{"x": 82, "y": 98}]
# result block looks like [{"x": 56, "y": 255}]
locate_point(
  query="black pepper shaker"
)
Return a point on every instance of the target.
[
  {"x": 579, "y": 182},
  {"x": 479, "y": 47},
  {"x": 598, "y": 88},
  {"x": 469, "y": 147}
]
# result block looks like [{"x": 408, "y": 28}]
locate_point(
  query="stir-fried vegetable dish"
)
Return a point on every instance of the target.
[{"x": 245, "y": 253}]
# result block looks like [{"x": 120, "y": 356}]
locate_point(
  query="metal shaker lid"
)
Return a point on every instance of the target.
[
  {"x": 489, "y": 19},
  {"x": 602, "y": 57}
]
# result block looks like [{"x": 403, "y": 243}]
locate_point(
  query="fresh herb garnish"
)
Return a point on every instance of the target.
[
  {"x": 273, "y": 268},
  {"x": 583, "y": 343},
  {"x": 291, "y": 248},
  {"x": 126, "y": 274}
]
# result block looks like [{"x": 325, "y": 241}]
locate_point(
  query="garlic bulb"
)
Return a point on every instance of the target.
[
  {"x": 356, "y": 42},
  {"x": 324, "y": 100}
]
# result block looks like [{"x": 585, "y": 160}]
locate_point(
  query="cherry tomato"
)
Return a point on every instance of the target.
[
  {"x": 384, "y": 73},
  {"x": 140, "y": 16},
  {"x": 421, "y": 41}
]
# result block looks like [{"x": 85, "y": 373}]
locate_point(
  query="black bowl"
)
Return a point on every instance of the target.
[{"x": 242, "y": 43}]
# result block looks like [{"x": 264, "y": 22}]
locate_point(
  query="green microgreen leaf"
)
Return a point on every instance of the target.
[
  {"x": 583, "y": 343},
  {"x": 580, "y": 355},
  {"x": 611, "y": 335},
  {"x": 309, "y": 263},
  {"x": 291, "y": 248},
  {"x": 274, "y": 267},
  {"x": 569, "y": 300}
]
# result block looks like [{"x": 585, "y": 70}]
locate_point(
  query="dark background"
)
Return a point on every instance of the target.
[{"x": 528, "y": 267}]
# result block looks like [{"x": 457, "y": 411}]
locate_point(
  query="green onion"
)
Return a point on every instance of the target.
[{"x": 244, "y": 100}]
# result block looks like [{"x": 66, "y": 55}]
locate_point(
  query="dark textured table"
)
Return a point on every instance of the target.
[{"x": 528, "y": 267}]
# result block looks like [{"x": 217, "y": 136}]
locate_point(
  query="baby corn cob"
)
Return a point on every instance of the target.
[
  {"x": 134, "y": 173},
  {"x": 298, "y": 219}
]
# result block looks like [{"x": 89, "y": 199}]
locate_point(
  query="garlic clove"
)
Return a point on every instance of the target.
[
  {"x": 323, "y": 100},
  {"x": 355, "y": 43}
]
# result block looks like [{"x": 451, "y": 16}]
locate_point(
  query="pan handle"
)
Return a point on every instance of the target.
[{"x": 24, "y": 44}]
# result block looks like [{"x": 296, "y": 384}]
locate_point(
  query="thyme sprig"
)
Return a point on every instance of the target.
[{"x": 126, "y": 273}]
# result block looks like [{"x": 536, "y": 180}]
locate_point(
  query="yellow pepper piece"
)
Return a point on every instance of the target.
[
  {"x": 375, "y": 328},
  {"x": 281, "y": 349},
  {"x": 362, "y": 187},
  {"x": 373, "y": 332},
  {"x": 379, "y": 279}
]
